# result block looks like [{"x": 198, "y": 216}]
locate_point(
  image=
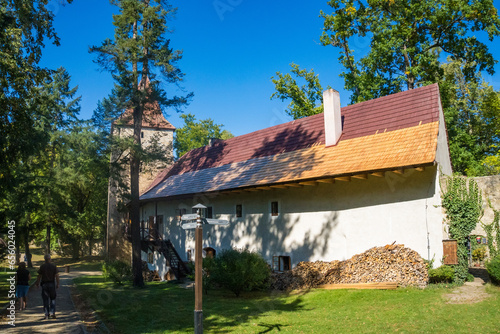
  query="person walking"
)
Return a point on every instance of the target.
[
  {"x": 48, "y": 275},
  {"x": 23, "y": 277}
]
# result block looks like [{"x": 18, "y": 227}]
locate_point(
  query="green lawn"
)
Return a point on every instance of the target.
[{"x": 167, "y": 308}]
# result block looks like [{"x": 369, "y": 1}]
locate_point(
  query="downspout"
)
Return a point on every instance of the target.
[{"x": 427, "y": 228}]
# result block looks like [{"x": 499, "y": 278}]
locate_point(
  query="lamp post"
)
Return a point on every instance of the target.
[
  {"x": 198, "y": 264},
  {"x": 198, "y": 302}
]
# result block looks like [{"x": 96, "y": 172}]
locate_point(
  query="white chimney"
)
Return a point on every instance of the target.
[{"x": 333, "y": 119}]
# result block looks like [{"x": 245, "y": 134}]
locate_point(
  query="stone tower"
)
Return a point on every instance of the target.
[{"x": 154, "y": 128}]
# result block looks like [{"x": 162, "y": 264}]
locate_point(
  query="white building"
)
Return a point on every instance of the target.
[{"x": 324, "y": 187}]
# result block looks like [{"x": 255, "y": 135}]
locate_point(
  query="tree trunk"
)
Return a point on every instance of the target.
[
  {"x": 350, "y": 64},
  {"x": 138, "y": 281},
  {"x": 410, "y": 79},
  {"x": 76, "y": 249},
  {"x": 47, "y": 239},
  {"x": 134, "y": 204},
  {"x": 18, "y": 252},
  {"x": 27, "y": 245},
  {"x": 91, "y": 239}
]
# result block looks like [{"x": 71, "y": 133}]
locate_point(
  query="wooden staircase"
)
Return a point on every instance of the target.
[
  {"x": 152, "y": 242},
  {"x": 173, "y": 259}
]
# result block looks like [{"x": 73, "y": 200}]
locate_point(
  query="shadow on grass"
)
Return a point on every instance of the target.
[
  {"x": 87, "y": 263},
  {"x": 165, "y": 307}
]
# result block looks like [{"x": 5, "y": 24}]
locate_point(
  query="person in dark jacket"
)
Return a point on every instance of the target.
[
  {"x": 48, "y": 275},
  {"x": 23, "y": 277}
]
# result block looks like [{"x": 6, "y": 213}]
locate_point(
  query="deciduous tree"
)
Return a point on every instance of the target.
[
  {"x": 306, "y": 100},
  {"x": 404, "y": 36},
  {"x": 196, "y": 134},
  {"x": 25, "y": 26},
  {"x": 472, "y": 114}
]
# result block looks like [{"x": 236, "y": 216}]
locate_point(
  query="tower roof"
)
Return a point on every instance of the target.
[{"x": 152, "y": 116}]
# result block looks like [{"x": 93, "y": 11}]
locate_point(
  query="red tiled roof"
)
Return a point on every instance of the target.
[
  {"x": 152, "y": 117},
  {"x": 387, "y": 114}
]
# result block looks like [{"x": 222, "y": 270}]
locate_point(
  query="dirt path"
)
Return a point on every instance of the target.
[
  {"x": 31, "y": 320},
  {"x": 470, "y": 292}
]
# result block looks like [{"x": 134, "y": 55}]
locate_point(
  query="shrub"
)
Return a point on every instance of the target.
[
  {"x": 118, "y": 271},
  {"x": 443, "y": 274},
  {"x": 470, "y": 278},
  {"x": 479, "y": 254},
  {"x": 493, "y": 267},
  {"x": 240, "y": 271}
]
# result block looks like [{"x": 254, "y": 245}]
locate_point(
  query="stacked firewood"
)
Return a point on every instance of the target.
[
  {"x": 391, "y": 263},
  {"x": 149, "y": 275}
]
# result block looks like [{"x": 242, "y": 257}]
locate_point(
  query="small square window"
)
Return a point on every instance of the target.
[
  {"x": 274, "y": 209},
  {"x": 205, "y": 213},
  {"x": 209, "y": 212},
  {"x": 239, "y": 210},
  {"x": 281, "y": 263}
]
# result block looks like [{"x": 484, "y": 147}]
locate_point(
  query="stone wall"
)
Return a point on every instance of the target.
[{"x": 490, "y": 189}]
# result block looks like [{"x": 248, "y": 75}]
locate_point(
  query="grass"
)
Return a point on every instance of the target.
[{"x": 168, "y": 308}]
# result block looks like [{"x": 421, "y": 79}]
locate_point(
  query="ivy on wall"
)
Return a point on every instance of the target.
[
  {"x": 463, "y": 204},
  {"x": 493, "y": 233}
]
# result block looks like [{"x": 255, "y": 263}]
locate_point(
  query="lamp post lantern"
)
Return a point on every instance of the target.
[{"x": 198, "y": 260}]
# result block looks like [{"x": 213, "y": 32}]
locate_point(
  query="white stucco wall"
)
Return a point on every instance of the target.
[
  {"x": 323, "y": 222},
  {"x": 442, "y": 150}
]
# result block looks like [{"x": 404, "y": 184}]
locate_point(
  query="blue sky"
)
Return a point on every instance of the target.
[{"x": 231, "y": 48}]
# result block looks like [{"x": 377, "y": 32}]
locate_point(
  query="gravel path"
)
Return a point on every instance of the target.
[
  {"x": 31, "y": 320},
  {"x": 470, "y": 292}
]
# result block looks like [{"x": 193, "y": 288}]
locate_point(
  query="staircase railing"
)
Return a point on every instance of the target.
[{"x": 173, "y": 259}]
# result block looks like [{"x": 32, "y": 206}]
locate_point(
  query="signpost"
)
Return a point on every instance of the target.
[{"x": 198, "y": 310}]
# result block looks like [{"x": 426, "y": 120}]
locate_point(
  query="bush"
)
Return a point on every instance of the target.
[
  {"x": 493, "y": 267},
  {"x": 443, "y": 274},
  {"x": 470, "y": 278},
  {"x": 240, "y": 271},
  {"x": 118, "y": 271},
  {"x": 479, "y": 254}
]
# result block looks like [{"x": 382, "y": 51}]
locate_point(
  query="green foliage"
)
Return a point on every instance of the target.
[
  {"x": 196, "y": 134},
  {"x": 470, "y": 278},
  {"x": 116, "y": 271},
  {"x": 62, "y": 186},
  {"x": 472, "y": 113},
  {"x": 462, "y": 201},
  {"x": 306, "y": 100},
  {"x": 493, "y": 267},
  {"x": 443, "y": 274},
  {"x": 208, "y": 268},
  {"x": 25, "y": 27},
  {"x": 404, "y": 37},
  {"x": 493, "y": 233},
  {"x": 240, "y": 271}
]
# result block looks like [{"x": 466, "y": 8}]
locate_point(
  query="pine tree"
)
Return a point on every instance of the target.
[{"x": 139, "y": 50}]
